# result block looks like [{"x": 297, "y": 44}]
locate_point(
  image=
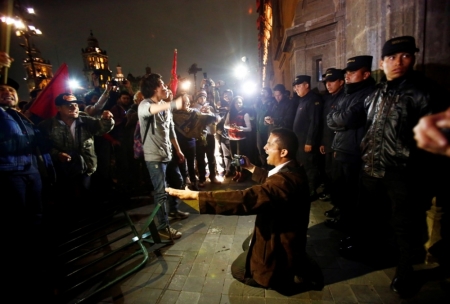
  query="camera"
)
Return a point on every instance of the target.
[
  {"x": 238, "y": 160},
  {"x": 114, "y": 82}
]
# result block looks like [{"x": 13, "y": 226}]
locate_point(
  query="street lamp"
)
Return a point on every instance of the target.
[{"x": 25, "y": 30}]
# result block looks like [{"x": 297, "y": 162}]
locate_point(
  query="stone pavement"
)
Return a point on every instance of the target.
[{"x": 196, "y": 268}]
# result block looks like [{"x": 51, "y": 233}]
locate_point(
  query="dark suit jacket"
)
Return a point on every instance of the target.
[{"x": 281, "y": 204}]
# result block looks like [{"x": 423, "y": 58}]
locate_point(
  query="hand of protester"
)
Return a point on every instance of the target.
[
  {"x": 107, "y": 115},
  {"x": 247, "y": 164},
  {"x": 429, "y": 136},
  {"x": 205, "y": 109},
  {"x": 181, "y": 158},
  {"x": 183, "y": 194},
  {"x": 308, "y": 148},
  {"x": 109, "y": 87},
  {"x": 183, "y": 102},
  {"x": 322, "y": 149},
  {"x": 64, "y": 157},
  {"x": 268, "y": 120},
  {"x": 5, "y": 60}
]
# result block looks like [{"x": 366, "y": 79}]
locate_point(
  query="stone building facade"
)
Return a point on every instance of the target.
[{"x": 309, "y": 36}]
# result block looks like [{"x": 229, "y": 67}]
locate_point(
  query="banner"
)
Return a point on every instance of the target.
[{"x": 44, "y": 105}]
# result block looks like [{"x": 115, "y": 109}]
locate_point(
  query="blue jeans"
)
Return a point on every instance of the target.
[{"x": 157, "y": 171}]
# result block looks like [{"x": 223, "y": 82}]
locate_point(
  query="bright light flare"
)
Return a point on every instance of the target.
[
  {"x": 249, "y": 87},
  {"x": 19, "y": 24},
  {"x": 74, "y": 84},
  {"x": 30, "y": 10},
  {"x": 185, "y": 85},
  {"x": 241, "y": 71}
]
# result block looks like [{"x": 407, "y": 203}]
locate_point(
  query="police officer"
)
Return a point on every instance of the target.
[
  {"x": 307, "y": 125},
  {"x": 334, "y": 82},
  {"x": 348, "y": 120},
  {"x": 399, "y": 180}
]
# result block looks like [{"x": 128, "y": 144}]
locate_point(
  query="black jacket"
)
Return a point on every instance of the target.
[
  {"x": 308, "y": 120},
  {"x": 393, "y": 111},
  {"x": 330, "y": 104},
  {"x": 282, "y": 113},
  {"x": 349, "y": 117}
]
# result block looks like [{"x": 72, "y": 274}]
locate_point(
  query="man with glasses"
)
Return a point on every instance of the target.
[{"x": 71, "y": 136}]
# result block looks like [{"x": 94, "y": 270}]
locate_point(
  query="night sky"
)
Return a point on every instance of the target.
[{"x": 215, "y": 34}]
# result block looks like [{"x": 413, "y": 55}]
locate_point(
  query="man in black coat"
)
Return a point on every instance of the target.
[
  {"x": 307, "y": 126},
  {"x": 334, "y": 82},
  {"x": 348, "y": 120},
  {"x": 282, "y": 114}
]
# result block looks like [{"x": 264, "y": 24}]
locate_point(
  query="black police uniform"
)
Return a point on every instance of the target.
[{"x": 307, "y": 125}]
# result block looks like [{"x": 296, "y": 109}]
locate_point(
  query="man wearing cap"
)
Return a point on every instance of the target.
[
  {"x": 207, "y": 144},
  {"x": 334, "y": 82},
  {"x": 71, "y": 136},
  {"x": 307, "y": 126},
  {"x": 398, "y": 180},
  {"x": 348, "y": 120}
]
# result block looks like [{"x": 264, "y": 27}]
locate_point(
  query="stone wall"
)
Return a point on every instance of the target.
[{"x": 335, "y": 30}]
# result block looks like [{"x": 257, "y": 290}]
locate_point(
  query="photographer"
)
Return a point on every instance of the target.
[{"x": 276, "y": 255}]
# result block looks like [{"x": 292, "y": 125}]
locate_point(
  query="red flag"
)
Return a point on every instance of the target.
[
  {"x": 44, "y": 105},
  {"x": 174, "y": 79}
]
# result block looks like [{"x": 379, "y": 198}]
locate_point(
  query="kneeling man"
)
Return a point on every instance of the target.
[{"x": 276, "y": 257}]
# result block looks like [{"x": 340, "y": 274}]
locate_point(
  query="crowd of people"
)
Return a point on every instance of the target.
[{"x": 375, "y": 148}]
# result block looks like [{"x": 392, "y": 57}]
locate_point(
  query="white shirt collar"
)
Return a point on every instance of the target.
[{"x": 277, "y": 168}]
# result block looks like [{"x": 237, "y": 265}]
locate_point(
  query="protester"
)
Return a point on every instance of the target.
[
  {"x": 71, "y": 136},
  {"x": 276, "y": 257},
  {"x": 160, "y": 140}
]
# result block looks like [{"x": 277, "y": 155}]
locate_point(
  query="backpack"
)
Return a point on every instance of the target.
[{"x": 138, "y": 144}]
